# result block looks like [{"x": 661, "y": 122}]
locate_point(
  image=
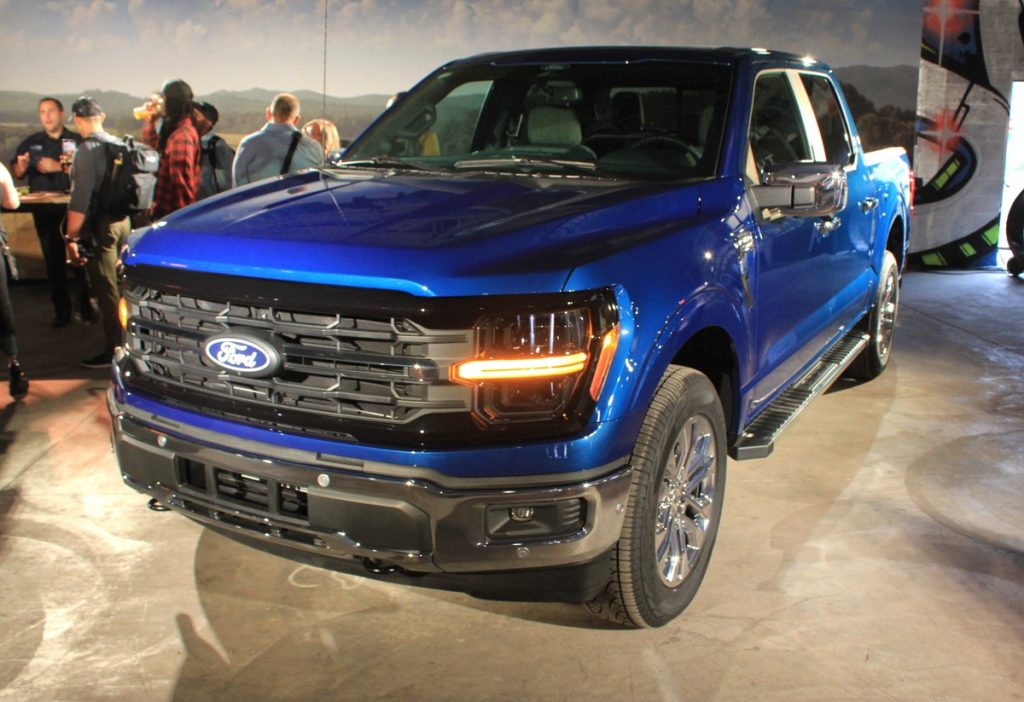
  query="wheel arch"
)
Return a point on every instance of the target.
[
  {"x": 713, "y": 352},
  {"x": 896, "y": 240},
  {"x": 708, "y": 333}
]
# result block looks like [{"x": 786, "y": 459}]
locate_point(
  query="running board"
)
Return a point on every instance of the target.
[{"x": 758, "y": 439}]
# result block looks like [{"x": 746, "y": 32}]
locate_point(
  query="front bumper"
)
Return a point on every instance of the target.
[{"x": 387, "y": 523}]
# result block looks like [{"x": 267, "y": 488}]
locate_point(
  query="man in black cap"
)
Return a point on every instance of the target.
[
  {"x": 89, "y": 230},
  {"x": 41, "y": 159},
  {"x": 216, "y": 155}
]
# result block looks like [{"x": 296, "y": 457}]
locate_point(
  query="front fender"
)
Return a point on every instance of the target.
[
  {"x": 669, "y": 288},
  {"x": 713, "y": 306}
]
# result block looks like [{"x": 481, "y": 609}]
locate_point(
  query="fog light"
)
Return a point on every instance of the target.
[
  {"x": 538, "y": 521},
  {"x": 521, "y": 514}
]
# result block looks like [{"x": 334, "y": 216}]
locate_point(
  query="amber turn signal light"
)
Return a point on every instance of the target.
[
  {"x": 604, "y": 360},
  {"x": 508, "y": 369},
  {"x": 122, "y": 313}
]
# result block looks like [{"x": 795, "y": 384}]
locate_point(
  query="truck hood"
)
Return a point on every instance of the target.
[{"x": 463, "y": 234}]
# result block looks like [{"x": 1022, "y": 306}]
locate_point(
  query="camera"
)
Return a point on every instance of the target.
[{"x": 85, "y": 249}]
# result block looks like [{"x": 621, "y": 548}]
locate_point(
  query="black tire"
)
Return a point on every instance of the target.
[
  {"x": 683, "y": 433},
  {"x": 1015, "y": 225},
  {"x": 1015, "y": 235},
  {"x": 880, "y": 324}
]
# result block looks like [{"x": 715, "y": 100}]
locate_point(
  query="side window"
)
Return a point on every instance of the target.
[
  {"x": 777, "y": 136},
  {"x": 829, "y": 117},
  {"x": 457, "y": 116}
]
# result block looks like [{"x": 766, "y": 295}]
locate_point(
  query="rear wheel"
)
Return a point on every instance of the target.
[
  {"x": 881, "y": 324},
  {"x": 675, "y": 505}
]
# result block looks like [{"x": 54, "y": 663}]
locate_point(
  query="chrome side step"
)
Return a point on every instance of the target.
[{"x": 758, "y": 439}]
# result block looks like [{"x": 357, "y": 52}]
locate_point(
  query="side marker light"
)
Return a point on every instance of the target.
[{"x": 604, "y": 361}]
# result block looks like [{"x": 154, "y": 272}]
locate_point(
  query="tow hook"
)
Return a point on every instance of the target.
[
  {"x": 154, "y": 504},
  {"x": 377, "y": 567}
]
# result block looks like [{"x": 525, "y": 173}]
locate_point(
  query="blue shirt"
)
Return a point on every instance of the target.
[{"x": 262, "y": 154}]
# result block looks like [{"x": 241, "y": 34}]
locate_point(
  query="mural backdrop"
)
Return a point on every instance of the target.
[{"x": 970, "y": 50}]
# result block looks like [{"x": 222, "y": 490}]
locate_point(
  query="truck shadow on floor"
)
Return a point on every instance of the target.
[{"x": 267, "y": 618}]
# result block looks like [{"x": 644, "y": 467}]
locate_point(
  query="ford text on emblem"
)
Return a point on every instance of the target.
[{"x": 243, "y": 355}]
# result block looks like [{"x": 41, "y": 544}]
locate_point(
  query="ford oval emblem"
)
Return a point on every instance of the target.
[{"x": 243, "y": 355}]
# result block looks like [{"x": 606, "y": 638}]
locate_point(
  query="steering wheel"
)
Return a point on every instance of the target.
[{"x": 669, "y": 140}]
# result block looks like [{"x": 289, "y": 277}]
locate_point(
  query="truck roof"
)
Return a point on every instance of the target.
[{"x": 598, "y": 54}]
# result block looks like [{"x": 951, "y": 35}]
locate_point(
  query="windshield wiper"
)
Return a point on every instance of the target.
[
  {"x": 389, "y": 162},
  {"x": 528, "y": 162}
]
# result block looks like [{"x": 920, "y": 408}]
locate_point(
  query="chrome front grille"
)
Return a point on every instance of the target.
[{"x": 388, "y": 370}]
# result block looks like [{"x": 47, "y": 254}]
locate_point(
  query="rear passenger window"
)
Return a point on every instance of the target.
[
  {"x": 829, "y": 117},
  {"x": 776, "y": 134}
]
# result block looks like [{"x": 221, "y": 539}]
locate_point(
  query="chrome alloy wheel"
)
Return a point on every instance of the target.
[
  {"x": 685, "y": 501},
  {"x": 887, "y": 307}
]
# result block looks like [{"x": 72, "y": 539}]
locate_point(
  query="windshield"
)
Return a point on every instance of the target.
[{"x": 660, "y": 120}]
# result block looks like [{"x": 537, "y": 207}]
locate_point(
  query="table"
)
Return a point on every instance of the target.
[
  {"x": 33, "y": 201},
  {"x": 21, "y": 231}
]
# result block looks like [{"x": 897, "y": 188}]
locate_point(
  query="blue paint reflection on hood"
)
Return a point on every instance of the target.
[{"x": 423, "y": 234}]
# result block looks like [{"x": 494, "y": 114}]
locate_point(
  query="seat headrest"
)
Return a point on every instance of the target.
[
  {"x": 705, "y": 124},
  {"x": 627, "y": 112},
  {"x": 553, "y": 126},
  {"x": 554, "y": 93}
]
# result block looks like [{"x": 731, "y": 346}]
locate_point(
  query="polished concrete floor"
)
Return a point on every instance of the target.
[{"x": 877, "y": 554}]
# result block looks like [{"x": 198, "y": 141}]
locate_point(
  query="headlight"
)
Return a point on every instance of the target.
[{"x": 539, "y": 365}]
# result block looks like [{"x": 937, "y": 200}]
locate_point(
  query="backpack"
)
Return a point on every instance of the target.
[
  {"x": 130, "y": 179},
  {"x": 210, "y": 150}
]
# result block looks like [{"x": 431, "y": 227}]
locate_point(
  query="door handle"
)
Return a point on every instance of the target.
[
  {"x": 868, "y": 204},
  {"x": 827, "y": 226}
]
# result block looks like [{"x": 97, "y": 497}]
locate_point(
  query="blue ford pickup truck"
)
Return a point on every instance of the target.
[{"x": 506, "y": 344}]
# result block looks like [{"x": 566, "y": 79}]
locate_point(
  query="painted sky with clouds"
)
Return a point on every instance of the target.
[{"x": 382, "y": 46}]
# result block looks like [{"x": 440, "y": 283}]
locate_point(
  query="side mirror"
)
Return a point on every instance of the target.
[
  {"x": 420, "y": 122},
  {"x": 803, "y": 190}
]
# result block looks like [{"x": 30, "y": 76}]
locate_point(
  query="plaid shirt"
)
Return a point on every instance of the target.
[{"x": 177, "y": 181}]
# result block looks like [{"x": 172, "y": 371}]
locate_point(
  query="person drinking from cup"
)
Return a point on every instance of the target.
[{"x": 177, "y": 141}]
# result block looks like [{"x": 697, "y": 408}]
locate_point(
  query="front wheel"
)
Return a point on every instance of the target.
[
  {"x": 881, "y": 324},
  {"x": 675, "y": 505}
]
